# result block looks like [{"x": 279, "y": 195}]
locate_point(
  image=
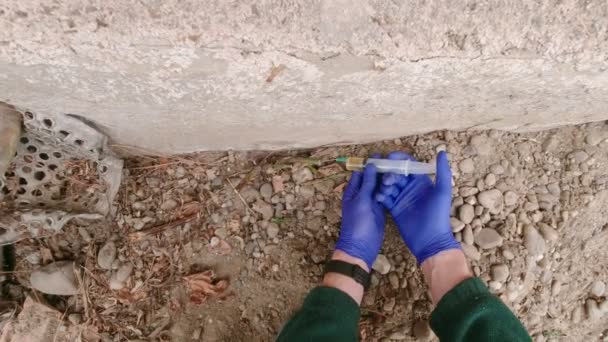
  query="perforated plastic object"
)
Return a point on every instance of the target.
[{"x": 62, "y": 169}]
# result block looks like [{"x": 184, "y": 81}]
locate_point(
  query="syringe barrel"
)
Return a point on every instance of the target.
[{"x": 404, "y": 167}]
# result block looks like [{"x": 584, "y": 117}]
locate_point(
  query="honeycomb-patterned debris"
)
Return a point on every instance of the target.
[{"x": 62, "y": 169}]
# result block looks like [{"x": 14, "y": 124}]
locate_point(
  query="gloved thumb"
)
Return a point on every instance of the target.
[
  {"x": 443, "y": 179},
  {"x": 369, "y": 180}
]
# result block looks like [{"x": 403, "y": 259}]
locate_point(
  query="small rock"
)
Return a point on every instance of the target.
[
  {"x": 592, "y": 310},
  {"x": 533, "y": 241},
  {"x": 467, "y": 236},
  {"x": 307, "y": 192},
  {"x": 57, "y": 278},
  {"x": 266, "y": 190},
  {"x": 389, "y": 305},
  {"x": 272, "y": 230},
  {"x": 598, "y": 288},
  {"x": 214, "y": 242},
  {"x": 497, "y": 169},
  {"x": 393, "y": 279},
  {"x": 488, "y": 238},
  {"x": 124, "y": 272},
  {"x": 138, "y": 206},
  {"x": 494, "y": 285},
  {"x": 456, "y": 224},
  {"x": 265, "y": 209},
  {"x": 116, "y": 284},
  {"x": 466, "y": 213},
  {"x": 290, "y": 198},
  {"x": 548, "y": 232},
  {"x": 507, "y": 254},
  {"x": 604, "y": 306},
  {"x": 471, "y": 252},
  {"x": 106, "y": 255},
  {"x": 302, "y": 175},
  {"x": 490, "y": 180},
  {"x": 221, "y": 233},
  {"x": 381, "y": 265},
  {"x": 250, "y": 194},
  {"x": 422, "y": 330},
  {"x": 169, "y": 204},
  {"x": 556, "y": 287},
  {"x": 579, "y": 156},
  {"x": 466, "y": 166},
  {"x": 75, "y": 318},
  {"x": 500, "y": 272},
  {"x": 577, "y": 315},
  {"x": 596, "y": 136},
  {"x": 180, "y": 172},
  {"x": 491, "y": 199},
  {"x": 467, "y": 191},
  {"x": 397, "y": 336}
]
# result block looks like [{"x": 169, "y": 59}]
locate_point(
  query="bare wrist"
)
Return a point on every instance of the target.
[{"x": 444, "y": 271}]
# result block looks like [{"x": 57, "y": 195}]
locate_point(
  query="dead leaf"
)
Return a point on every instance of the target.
[
  {"x": 275, "y": 71},
  {"x": 203, "y": 285},
  {"x": 189, "y": 209},
  {"x": 277, "y": 183}
]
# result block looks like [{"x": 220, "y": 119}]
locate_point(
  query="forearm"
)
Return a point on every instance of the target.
[
  {"x": 330, "y": 312},
  {"x": 444, "y": 271},
  {"x": 466, "y": 310}
]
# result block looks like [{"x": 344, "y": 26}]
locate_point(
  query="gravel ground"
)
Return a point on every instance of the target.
[{"x": 224, "y": 246}]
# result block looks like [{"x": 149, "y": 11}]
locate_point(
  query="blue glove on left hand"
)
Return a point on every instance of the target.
[{"x": 363, "y": 218}]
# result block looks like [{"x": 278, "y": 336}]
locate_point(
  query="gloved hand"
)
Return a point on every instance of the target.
[
  {"x": 420, "y": 208},
  {"x": 363, "y": 218}
]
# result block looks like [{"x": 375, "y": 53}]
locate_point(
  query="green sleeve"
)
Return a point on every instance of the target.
[
  {"x": 469, "y": 312},
  {"x": 327, "y": 314}
]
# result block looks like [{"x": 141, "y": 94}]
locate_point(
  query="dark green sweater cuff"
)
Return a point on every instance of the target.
[
  {"x": 469, "y": 312},
  {"x": 327, "y": 314}
]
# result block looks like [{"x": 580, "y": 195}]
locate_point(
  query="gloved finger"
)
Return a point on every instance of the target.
[
  {"x": 391, "y": 190},
  {"x": 443, "y": 179},
  {"x": 353, "y": 184},
  {"x": 393, "y": 178},
  {"x": 370, "y": 180},
  {"x": 387, "y": 201}
]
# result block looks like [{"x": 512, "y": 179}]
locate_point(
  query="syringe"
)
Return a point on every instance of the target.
[{"x": 404, "y": 167}]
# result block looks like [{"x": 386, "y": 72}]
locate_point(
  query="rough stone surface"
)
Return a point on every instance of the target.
[
  {"x": 488, "y": 238},
  {"x": 491, "y": 199},
  {"x": 57, "y": 278},
  {"x": 534, "y": 242},
  {"x": 261, "y": 76},
  {"x": 106, "y": 255},
  {"x": 381, "y": 265}
]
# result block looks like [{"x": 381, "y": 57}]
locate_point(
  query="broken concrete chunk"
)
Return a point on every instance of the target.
[{"x": 56, "y": 278}]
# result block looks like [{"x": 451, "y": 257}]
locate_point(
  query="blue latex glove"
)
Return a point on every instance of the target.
[
  {"x": 420, "y": 208},
  {"x": 363, "y": 218}
]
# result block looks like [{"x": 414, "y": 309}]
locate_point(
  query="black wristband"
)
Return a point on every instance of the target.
[{"x": 352, "y": 271}]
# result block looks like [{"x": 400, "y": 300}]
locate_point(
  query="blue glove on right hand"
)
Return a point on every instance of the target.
[{"x": 420, "y": 208}]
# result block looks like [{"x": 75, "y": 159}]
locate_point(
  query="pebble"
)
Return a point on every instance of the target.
[
  {"x": 389, "y": 305},
  {"x": 466, "y": 166},
  {"x": 533, "y": 241},
  {"x": 169, "y": 204},
  {"x": 397, "y": 336},
  {"x": 490, "y": 179},
  {"x": 180, "y": 172},
  {"x": 307, "y": 192},
  {"x": 499, "y": 272},
  {"x": 422, "y": 330},
  {"x": 466, "y": 213},
  {"x": 118, "y": 279},
  {"x": 467, "y": 191},
  {"x": 138, "y": 206},
  {"x": 106, "y": 255},
  {"x": 393, "y": 279},
  {"x": 57, "y": 278},
  {"x": 556, "y": 287},
  {"x": 604, "y": 306},
  {"x": 488, "y": 238},
  {"x": 491, "y": 199},
  {"x": 222, "y": 233},
  {"x": 598, "y": 288},
  {"x": 290, "y": 198},
  {"x": 596, "y": 136},
  {"x": 302, "y": 175},
  {"x": 508, "y": 254},
  {"x": 272, "y": 230},
  {"x": 214, "y": 242},
  {"x": 577, "y": 315},
  {"x": 266, "y": 190},
  {"x": 456, "y": 224},
  {"x": 265, "y": 209},
  {"x": 548, "y": 232},
  {"x": 592, "y": 309},
  {"x": 467, "y": 236},
  {"x": 471, "y": 252},
  {"x": 75, "y": 318},
  {"x": 510, "y": 198},
  {"x": 579, "y": 156},
  {"x": 381, "y": 265},
  {"x": 497, "y": 169}
]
